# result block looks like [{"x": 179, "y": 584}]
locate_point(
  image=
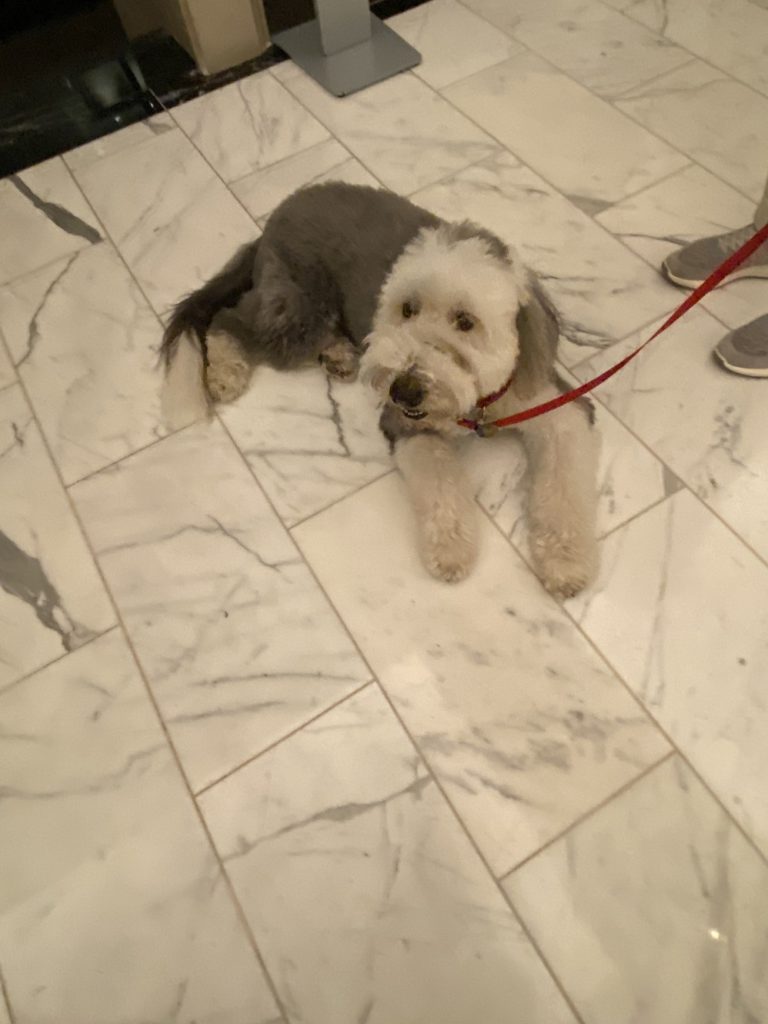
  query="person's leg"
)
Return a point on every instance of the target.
[{"x": 744, "y": 350}]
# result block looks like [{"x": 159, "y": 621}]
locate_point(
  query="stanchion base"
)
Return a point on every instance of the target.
[{"x": 380, "y": 56}]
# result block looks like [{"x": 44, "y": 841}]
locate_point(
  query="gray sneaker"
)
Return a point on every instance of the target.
[
  {"x": 693, "y": 264},
  {"x": 745, "y": 350}
]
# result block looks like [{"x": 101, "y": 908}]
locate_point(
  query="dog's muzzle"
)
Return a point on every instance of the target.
[{"x": 407, "y": 392}]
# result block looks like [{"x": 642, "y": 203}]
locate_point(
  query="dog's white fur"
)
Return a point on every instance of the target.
[
  {"x": 183, "y": 398},
  {"x": 448, "y": 278},
  {"x": 459, "y": 369}
]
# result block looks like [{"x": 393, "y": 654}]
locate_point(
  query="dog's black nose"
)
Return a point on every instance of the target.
[{"x": 406, "y": 391}]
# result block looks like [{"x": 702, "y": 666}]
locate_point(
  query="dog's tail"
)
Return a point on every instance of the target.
[{"x": 183, "y": 350}]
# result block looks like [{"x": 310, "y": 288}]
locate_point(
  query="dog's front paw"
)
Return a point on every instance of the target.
[
  {"x": 449, "y": 550},
  {"x": 564, "y": 569}
]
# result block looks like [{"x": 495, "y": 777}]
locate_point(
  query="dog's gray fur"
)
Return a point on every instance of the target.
[
  {"x": 331, "y": 272},
  {"x": 316, "y": 272}
]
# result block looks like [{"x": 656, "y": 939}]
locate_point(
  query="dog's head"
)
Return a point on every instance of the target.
[{"x": 444, "y": 334}]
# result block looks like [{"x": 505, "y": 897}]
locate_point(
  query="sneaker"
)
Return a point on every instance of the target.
[
  {"x": 692, "y": 264},
  {"x": 745, "y": 350}
]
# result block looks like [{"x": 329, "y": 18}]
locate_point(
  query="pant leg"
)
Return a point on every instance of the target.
[{"x": 761, "y": 214}]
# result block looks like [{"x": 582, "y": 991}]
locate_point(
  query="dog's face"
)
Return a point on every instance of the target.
[{"x": 444, "y": 331}]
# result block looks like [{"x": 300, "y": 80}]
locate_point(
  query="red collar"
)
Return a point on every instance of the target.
[{"x": 485, "y": 401}]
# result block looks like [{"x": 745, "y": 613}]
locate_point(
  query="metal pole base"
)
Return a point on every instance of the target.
[{"x": 380, "y": 56}]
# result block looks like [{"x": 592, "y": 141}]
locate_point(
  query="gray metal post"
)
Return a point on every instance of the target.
[{"x": 346, "y": 48}]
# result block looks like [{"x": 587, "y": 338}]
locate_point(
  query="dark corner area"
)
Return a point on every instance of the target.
[{"x": 72, "y": 71}]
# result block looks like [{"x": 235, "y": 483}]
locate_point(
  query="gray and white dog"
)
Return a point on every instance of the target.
[{"x": 444, "y": 315}]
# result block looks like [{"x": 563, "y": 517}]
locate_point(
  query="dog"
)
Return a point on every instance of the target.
[{"x": 441, "y": 320}]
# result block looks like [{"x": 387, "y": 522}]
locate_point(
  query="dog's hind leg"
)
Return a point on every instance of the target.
[
  {"x": 563, "y": 450},
  {"x": 446, "y": 515},
  {"x": 229, "y": 367}
]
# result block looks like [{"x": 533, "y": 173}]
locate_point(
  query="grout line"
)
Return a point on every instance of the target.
[
  {"x": 481, "y": 857},
  {"x": 208, "y": 163},
  {"x": 129, "y": 455},
  {"x": 596, "y": 351},
  {"x": 337, "y": 501},
  {"x": 636, "y": 515},
  {"x": 9, "y": 687},
  {"x": 299, "y": 728},
  {"x": 286, "y": 86},
  {"x": 307, "y": 149},
  {"x": 637, "y": 700},
  {"x": 713, "y": 511},
  {"x": 164, "y": 727},
  {"x": 431, "y": 772},
  {"x": 5, "y": 998},
  {"x": 50, "y": 263},
  {"x": 111, "y": 241},
  {"x": 682, "y": 46},
  {"x": 454, "y": 173},
  {"x": 276, "y": 164},
  {"x": 617, "y": 795},
  {"x": 638, "y": 192}
]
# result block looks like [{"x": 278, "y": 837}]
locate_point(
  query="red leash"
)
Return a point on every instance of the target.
[{"x": 726, "y": 267}]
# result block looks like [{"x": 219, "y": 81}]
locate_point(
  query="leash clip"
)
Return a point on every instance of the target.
[{"x": 485, "y": 429}]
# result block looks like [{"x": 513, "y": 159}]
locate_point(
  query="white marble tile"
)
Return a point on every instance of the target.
[
  {"x": 681, "y": 611},
  {"x": 43, "y": 217},
  {"x": 654, "y": 909},
  {"x": 630, "y": 478},
  {"x": 602, "y": 290},
  {"x": 598, "y": 47},
  {"x": 523, "y": 724},
  {"x": 350, "y": 866},
  {"x": 171, "y": 217},
  {"x": 85, "y": 343},
  {"x": 121, "y": 139},
  {"x": 237, "y": 640},
  {"x": 689, "y": 205},
  {"x": 401, "y": 130},
  {"x": 731, "y": 34},
  {"x": 715, "y": 120},
  {"x": 51, "y": 597},
  {"x": 112, "y": 905},
  {"x": 247, "y": 125},
  {"x": 263, "y": 190},
  {"x": 7, "y": 373},
  {"x": 309, "y": 440},
  {"x": 285, "y": 70},
  {"x": 515, "y": 99},
  {"x": 738, "y": 303},
  {"x": 709, "y": 426},
  {"x": 453, "y": 41}
]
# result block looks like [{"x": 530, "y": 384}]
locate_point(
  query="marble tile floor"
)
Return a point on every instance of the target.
[{"x": 255, "y": 765}]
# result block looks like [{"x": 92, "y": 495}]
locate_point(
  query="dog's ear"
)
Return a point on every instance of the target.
[{"x": 538, "y": 330}]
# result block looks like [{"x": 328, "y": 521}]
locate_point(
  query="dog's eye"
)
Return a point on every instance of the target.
[
  {"x": 409, "y": 310},
  {"x": 463, "y": 321}
]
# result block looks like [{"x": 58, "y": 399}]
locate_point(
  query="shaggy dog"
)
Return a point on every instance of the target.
[{"x": 449, "y": 325}]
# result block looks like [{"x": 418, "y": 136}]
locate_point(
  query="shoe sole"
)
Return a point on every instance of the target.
[
  {"x": 742, "y": 371},
  {"x": 683, "y": 282}
]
